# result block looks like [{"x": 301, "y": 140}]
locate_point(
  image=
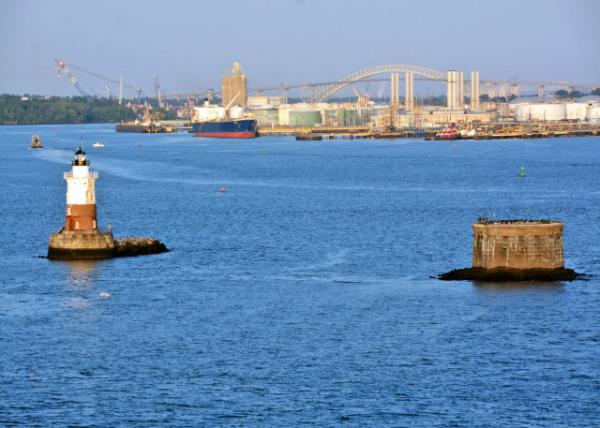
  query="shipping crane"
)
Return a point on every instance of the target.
[{"x": 61, "y": 66}]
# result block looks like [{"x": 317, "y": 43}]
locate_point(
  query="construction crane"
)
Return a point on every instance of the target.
[{"x": 61, "y": 66}]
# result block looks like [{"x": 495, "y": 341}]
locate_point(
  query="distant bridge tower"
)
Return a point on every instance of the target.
[
  {"x": 409, "y": 100},
  {"x": 475, "y": 91},
  {"x": 541, "y": 91},
  {"x": 284, "y": 94}
]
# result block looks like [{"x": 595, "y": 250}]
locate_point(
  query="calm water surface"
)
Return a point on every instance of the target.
[{"x": 303, "y": 294}]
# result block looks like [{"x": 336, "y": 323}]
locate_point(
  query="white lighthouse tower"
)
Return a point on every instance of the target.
[
  {"x": 80, "y": 238},
  {"x": 81, "y": 195}
]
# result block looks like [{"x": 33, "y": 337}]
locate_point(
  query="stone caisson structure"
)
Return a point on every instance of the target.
[
  {"x": 516, "y": 250},
  {"x": 518, "y": 245},
  {"x": 80, "y": 237}
]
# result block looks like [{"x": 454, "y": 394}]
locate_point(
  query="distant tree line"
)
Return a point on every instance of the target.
[
  {"x": 562, "y": 93},
  {"x": 16, "y": 109}
]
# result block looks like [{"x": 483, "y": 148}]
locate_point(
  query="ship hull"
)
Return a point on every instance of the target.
[
  {"x": 226, "y": 134},
  {"x": 242, "y": 128}
]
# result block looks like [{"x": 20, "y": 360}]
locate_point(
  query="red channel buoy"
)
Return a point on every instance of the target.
[{"x": 222, "y": 189}]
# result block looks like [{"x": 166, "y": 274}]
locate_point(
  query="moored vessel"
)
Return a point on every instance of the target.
[
  {"x": 233, "y": 128},
  {"x": 36, "y": 142},
  {"x": 215, "y": 121}
]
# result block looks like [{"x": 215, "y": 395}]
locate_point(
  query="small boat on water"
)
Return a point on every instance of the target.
[
  {"x": 36, "y": 142},
  {"x": 447, "y": 134},
  {"x": 97, "y": 145}
]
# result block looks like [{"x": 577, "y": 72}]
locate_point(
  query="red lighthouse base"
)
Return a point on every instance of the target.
[{"x": 81, "y": 218}]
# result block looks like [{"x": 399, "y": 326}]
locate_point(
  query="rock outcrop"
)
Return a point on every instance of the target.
[
  {"x": 138, "y": 246},
  {"x": 510, "y": 275}
]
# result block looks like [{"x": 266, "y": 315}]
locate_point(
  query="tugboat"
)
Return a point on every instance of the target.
[
  {"x": 36, "y": 142},
  {"x": 447, "y": 134}
]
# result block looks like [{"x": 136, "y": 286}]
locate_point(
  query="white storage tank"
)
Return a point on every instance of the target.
[
  {"x": 542, "y": 112},
  {"x": 575, "y": 111},
  {"x": 284, "y": 115}
]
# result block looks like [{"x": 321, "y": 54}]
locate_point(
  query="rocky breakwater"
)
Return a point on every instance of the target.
[
  {"x": 138, "y": 246},
  {"x": 516, "y": 250},
  {"x": 66, "y": 245}
]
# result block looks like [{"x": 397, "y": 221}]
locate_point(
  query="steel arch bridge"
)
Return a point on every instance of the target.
[{"x": 331, "y": 90}]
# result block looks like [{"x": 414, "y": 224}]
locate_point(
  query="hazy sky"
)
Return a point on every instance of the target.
[{"x": 189, "y": 44}]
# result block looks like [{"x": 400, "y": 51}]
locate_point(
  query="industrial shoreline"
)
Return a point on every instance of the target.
[
  {"x": 465, "y": 106},
  {"x": 526, "y": 130}
]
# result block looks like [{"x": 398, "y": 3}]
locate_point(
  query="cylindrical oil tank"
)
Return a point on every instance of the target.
[
  {"x": 575, "y": 111},
  {"x": 541, "y": 111},
  {"x": 267, "y": 117},
  {"x": 305, "y": 118},
  {"x": 284, "y": 116},
  {"x": 350, "y": 117}
]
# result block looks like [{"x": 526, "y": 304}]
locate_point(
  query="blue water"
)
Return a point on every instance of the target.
[{"x": 303, "y": 294}]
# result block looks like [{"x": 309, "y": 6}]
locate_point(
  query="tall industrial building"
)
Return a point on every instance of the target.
[
  {"x": 475, "y": 91},
  {"x": 409, "y": 100},
  {"x": 234, "y": 88},
  {"x": 394, "y": 89},
  {"x": 453, "y": 90},
  {"x": 461, "y": 90}
]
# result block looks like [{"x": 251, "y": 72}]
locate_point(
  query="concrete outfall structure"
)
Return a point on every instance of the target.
[
  {"x": 80, "y": 237},
  {"x": 516, "y": 250}
]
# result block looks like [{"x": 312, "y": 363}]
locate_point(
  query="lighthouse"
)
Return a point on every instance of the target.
[
  {"x": 80, "y": 237},
  {"x": 81, "y": 195}
]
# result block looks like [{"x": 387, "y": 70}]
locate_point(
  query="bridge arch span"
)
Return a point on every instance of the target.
[{"x": 379, "y": 69}]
